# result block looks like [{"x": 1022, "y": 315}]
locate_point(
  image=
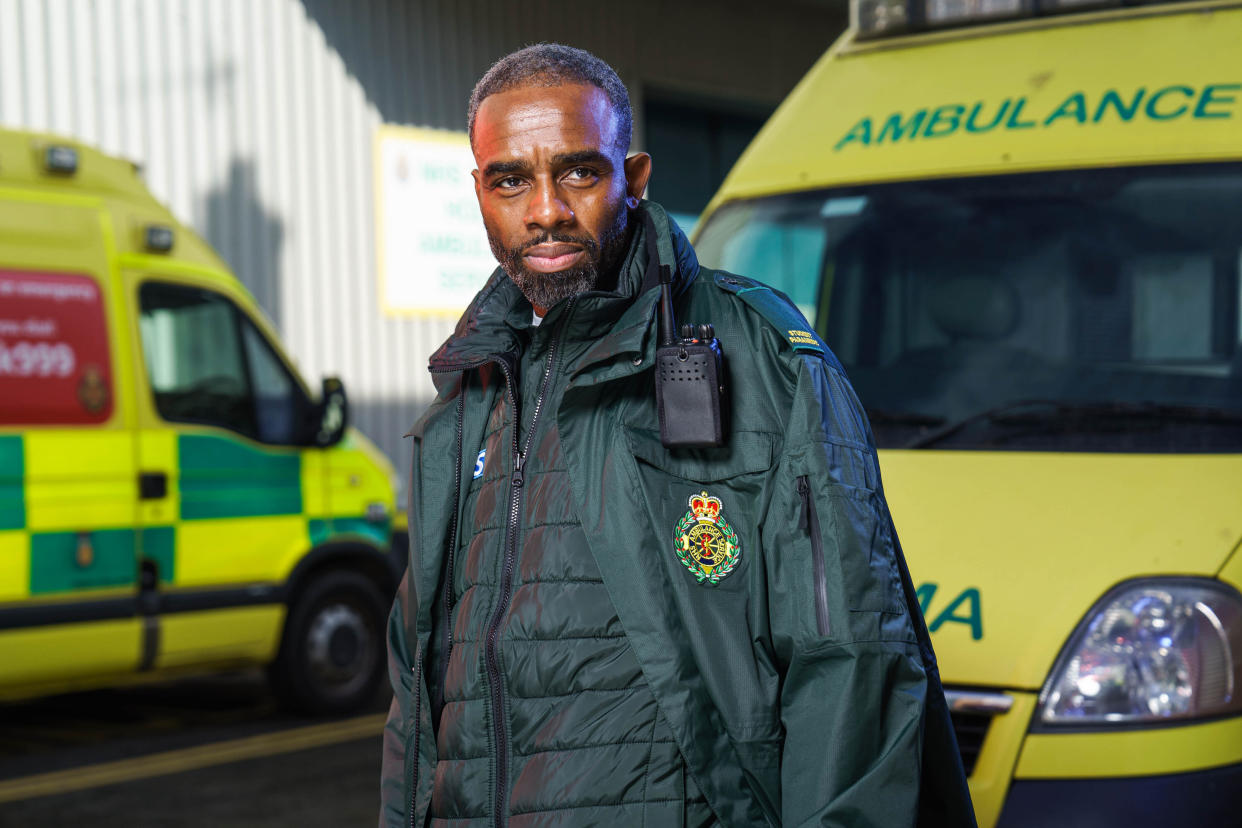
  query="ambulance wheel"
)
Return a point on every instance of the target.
[{"x": 332, "y": 655}]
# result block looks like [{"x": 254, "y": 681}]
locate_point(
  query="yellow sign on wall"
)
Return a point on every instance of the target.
[{"x": 432, "y": 251}]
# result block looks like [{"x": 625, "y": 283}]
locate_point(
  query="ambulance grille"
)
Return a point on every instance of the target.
[
  {"x": 972, "y": 712},
  {"x": 971, "y": 729}
]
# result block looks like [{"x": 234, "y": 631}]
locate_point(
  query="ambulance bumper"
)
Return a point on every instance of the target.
[{"x": 1209, "y": 797}]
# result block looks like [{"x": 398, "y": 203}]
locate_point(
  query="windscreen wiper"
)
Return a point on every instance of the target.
[{"x": 1078, "y": 414}]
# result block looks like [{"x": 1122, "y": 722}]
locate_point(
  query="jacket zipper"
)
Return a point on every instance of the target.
[
  {"x": 810, "y": 524},
  {"x": 516, "y": 481},
  {"x": 418, "y": 721},
  {"x": 446, "y": 601}
]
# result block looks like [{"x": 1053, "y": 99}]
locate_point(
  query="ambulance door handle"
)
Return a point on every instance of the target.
[{"x": 152, "y": 485}]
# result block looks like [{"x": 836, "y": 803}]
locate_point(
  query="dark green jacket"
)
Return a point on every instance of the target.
[{"x": 802, "y": 689}]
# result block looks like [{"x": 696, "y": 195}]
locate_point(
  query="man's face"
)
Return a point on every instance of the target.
[{"x": 554, "y": 188}]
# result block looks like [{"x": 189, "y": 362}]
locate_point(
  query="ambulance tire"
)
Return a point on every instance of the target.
[{"x": 332, "y": 657}]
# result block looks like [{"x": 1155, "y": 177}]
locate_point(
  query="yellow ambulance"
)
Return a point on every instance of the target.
[
  {"x": 172, "y": 498},
  {"x": 1019, "y": 225}
]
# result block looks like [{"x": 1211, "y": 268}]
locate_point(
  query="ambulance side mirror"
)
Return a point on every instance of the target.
[{"x": 333, "y": 413}]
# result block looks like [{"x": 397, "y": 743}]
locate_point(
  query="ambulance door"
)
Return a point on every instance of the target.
[
  {"x": 221, "y": 446},
  {"x": 68, "y": 481}
]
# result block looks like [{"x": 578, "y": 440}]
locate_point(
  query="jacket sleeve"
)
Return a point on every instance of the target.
[
  {"x": 406, "y": 733},
  {"x": 855, "y": 684},
  {"x": 397, "y": 733}
]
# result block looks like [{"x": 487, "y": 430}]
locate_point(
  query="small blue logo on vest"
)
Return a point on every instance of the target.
[{"x": 478, "y": 464}]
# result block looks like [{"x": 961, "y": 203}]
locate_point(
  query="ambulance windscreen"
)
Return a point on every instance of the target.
[{"x": 1091, "y": 310}]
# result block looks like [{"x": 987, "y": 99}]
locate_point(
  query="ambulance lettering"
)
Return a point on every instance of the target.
[
  {"x": 55, "y": 366},
  {"x": 1214, "y": 101},
  {"x": 966, "y": 609}
]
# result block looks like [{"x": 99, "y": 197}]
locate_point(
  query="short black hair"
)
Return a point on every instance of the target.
[{"x": 554, "y": 64}]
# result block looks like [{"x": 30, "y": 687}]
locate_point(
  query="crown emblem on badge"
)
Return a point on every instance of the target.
[
  {"x": 704, "y": 506},
  {"x": 705, "y": 542}
]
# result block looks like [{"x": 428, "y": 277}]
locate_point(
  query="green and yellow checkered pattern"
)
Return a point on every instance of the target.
[
  {"x": 66, "y": 512},
  {"x": 234, "y": 513}
]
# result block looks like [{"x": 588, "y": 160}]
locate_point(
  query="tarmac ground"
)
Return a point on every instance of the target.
[{"x": 195, "y": 752}]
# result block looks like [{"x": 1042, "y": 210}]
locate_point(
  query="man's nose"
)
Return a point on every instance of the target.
[{"x": 547, "y": 208}]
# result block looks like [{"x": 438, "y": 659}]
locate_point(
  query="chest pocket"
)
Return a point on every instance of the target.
[
  {"x": 724, "y": 621},
  {"x": 747, "y": 452},
  {"x": 704, "y": 505}
]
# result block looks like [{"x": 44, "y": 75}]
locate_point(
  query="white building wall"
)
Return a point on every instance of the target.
[{"x": 253, "y": 121}]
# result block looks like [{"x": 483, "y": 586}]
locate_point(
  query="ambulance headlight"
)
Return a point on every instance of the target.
[
  {"x": 377, "y": 512},
  {"x": 1150, "y": 651}
]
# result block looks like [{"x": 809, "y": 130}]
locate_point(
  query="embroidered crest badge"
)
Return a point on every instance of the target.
[{"x": 704, "y": 540}]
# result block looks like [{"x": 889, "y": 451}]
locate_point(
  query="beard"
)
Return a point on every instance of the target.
[{"x": 544, "y": 290}]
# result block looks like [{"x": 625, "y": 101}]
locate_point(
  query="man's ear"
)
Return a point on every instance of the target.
[
  {"x": 478, "y": 186},
  {"x": 637, "y": 171}
]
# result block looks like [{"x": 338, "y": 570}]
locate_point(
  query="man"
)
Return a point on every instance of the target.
[{"x": 599, "y": 630}]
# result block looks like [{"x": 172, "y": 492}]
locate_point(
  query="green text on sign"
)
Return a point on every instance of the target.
[
  {"x": 1213, "y": 101},
  {"x": 966, "y": 609}
]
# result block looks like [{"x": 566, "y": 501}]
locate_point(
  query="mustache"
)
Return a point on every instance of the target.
[{"x": 585, "y": 242}]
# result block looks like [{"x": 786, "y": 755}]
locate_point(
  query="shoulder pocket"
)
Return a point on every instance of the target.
[{"x": 809, "y": 523}]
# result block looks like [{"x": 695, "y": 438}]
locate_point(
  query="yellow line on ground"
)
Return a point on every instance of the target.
[{"x": 185, "y": 759}]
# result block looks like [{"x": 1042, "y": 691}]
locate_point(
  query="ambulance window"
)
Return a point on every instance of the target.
[
  {"x": 1076, "y": 310},
  {"x": 1172, "y": 295},
  {"x": 276, "y": 396},
  {"x": 773, "y": 243},
  {"x": 207, "y": 364}
]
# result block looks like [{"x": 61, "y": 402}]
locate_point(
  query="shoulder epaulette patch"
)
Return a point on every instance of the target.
[{"x": 775, "y": 307}]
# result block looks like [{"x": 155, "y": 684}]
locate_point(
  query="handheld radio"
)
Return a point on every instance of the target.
[{"x": 689, "y": 380}]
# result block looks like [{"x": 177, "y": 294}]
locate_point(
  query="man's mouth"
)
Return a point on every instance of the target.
[{"x": 550, "y": 258}]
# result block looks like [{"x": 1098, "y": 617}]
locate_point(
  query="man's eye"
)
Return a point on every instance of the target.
[
  {"x": 580, "y": 174},
  {"x": 509, "y": 181}
]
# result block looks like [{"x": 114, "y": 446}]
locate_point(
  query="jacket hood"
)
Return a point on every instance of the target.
[{"x": 486, "y": 328}]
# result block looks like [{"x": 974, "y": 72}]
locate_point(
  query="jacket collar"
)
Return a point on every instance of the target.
[{"x": 617, "y": 323}]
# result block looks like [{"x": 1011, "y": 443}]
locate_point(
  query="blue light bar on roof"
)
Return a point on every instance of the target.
[
  {"x": 951, "y": 12},
  {"x": 158, "y": 238},
  {"x": 885, "y": 18},
  {"x": 60, "y": 159}
]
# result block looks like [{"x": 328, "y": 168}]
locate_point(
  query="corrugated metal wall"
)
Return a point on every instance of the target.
[{"x": 253, "y": 120}]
